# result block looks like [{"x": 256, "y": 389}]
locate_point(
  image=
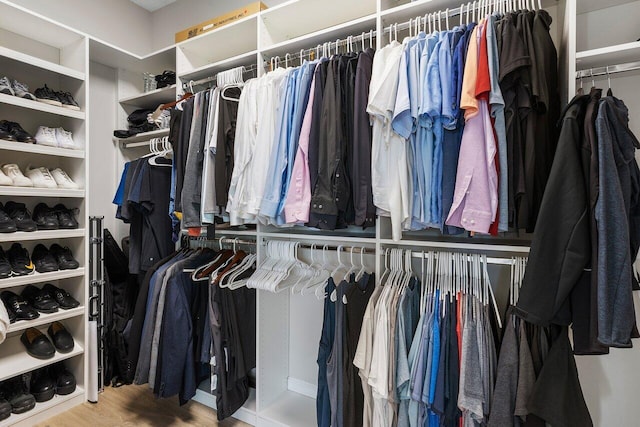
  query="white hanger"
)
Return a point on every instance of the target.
[{"x": 371, "y": 39}]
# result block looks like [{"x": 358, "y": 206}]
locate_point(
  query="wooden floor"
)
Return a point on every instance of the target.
[{"x": 131, "y": 405}]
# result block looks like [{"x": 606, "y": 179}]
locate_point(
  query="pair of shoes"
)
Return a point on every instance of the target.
[
  {"x": 16, "y": 217},
  {"x": 18, "y": 306},
  {"x": 58, "y": 217},
  {"x": 51, "y": 380},
  {"x": 10, "y": 174},
  {"x": 33, "y": 301},
  {"x": 53, "y": 259},
  {"x": 12, "y": 131},
  {"x": 16, "y": 262},
  {"x": 15, "y": 88},
  {"x": 35, "y": 177},
  {"x": 55, "y": 137},
  {"x": 59, "y": 99},
  {"x": 39, "y": 346},
  {"x": 15, "y": 396}
]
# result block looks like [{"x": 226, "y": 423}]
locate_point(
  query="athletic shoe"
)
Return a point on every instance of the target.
[
  {"x": 64, "y": 257},
  {"x": 48, "y": 96},
  {"x": 6, "y": 136},
  {"x": 63, "y": 180},
  {"x": 46, "y": 136},
  {"x": 7, "y": 225},
  {"x": 65, "y": 139},
  {"x": 45, "y": 217},
  {"x": 41, "y": 177},
  {"x": 68, "y": 101},
  {"x": 4, "y": 179},
  {"x": 21, "y": 264},
  {"x": 5, "y": 265},
  {"x": 21, "y": 215},
  {"x": 16, "y": 130},
  {"x": 66, "y": 217},
  {"x": 17, "y": 177},
  {"x": 5, "y": 86},
  {"x": 22, "y": 90},
  {"x": 44, "y": 261}
]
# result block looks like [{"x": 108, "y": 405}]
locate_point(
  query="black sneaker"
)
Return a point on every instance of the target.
[
  {"x": 68, "y": 101},
  {"x": 66, "y": 217},
  {"x": 45, "y": 217},
  {"x": 21, "y": 264},
  {"x": 44, "y": 261},
  {"x": 16, "y": 131},
  {"x": 62, "y": 297},
  {"x": 7, "y": 225},
  {"x": 20, "y": 307},
  {"x": 21, "y": 215},
  {"x": 64, "y": 257},
  {"x": 15, "y": 392},
  {"x": 5, "y": 265},
  {"x": 48, "y": 96}
]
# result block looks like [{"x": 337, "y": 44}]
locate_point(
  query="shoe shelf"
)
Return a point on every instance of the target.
[
  {"x": 40, "y": 149},
  {"x": 57, "y": 400},
  {"x": 152, "y": 98},
  {"x": 40, "y": 106},
  {"x": 143, "y": 137},
  {"x": 41, "y": 63},
  {"x": 14, "y": 359},
  {"x": 39, "y": 278},
  {"x": 21, "y": 236},
  {"x": 40, "y": 192},
  {"x": 46, "y": 319}
]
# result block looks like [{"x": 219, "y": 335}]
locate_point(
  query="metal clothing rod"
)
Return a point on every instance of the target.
[
  {"x": 225, "y": 240},
  {"x": 490, "y": 260},
  {"x": 354, "y": 249},
  {"x": 607, "y": 70},
  {"x": 246, "y": 69}
]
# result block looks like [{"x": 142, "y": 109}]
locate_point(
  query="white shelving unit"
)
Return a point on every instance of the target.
[
  {"x": 40, "y": 149},
  {"x": 41, "y": 192},
  {"x": 42, "y": 235},
  {"x": 29, "y": 104},
  {"x": 36, "y": 278},
  {"x": 46, "y": 319},
  {"x": 143, "y": 137},
  {"x": 618, "y": 54},
  {"x": 152, "y": 98},
  {"x": 41, "y": 411}
]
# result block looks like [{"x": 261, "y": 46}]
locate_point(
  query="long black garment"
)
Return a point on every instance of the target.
[
  {"x": 181, "y": 149},
  {"x": 227, "y": 117}
]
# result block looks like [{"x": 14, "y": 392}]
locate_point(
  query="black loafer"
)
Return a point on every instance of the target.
[
  {"x": 64, "y": 257},
  {"x": 45, "y": 217},
  {"x": 7, "y": 137},
  {"x": 12, "y": 315},
  {"x": 15, "y": 391},
  {"x": 37, "y": 344},
  {"x": 66, "y": 217},
  {"x": 43, "y": 387},
  {"x": 19, "y": 306},
  {"x": 62, "y": 297},
  {"x": 62, "y": 339},
  {"x": 40, "y": 299},
  {"x": 65, "y": 381},
  {"x": 43, "y": 260}
]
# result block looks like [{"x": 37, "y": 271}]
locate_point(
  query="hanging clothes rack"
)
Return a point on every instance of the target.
[
  {"x": 490, "y": 260},
  {"x": 187, "y": 85},
  {"x": 607, "y": 70},
  {"x": 319, "y": 246}
]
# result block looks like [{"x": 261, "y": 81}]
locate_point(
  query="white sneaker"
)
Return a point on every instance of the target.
[
  {"x": 65, "y": 139},
  {"x": 4, "y": 179},
  {"x": 41, "y": 177},
  {"x": 5, "y": 86},
  {"x": 63, "y": 180},
  {"x": 19, "y": 180},
  {"x": 46, "y": 136}
]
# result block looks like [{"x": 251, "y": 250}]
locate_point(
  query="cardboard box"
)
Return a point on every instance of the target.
[{"x": 220, "y": 21}]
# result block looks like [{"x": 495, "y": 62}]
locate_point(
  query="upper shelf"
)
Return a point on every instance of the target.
[
  {"x": 40, "y": 106},
  {"x": 142, "y": 137},
  {"x": 40, "y": 63},
  {"x": 585, "y": 6},
  {"x": 610, "y": 55},
  {"x": 214, "y": 68},
  {"x": 151, "y": 99},
  {"x": 40, "y": 149}
]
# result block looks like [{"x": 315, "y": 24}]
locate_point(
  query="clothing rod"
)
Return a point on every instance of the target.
[
  {"x": 225, "y": 240},
  {"x": 606, "y": 70},
  {"x": 490, "y": 260},
  {"x": 247, "y": 69},
  {"x": 354, "y": 249}
]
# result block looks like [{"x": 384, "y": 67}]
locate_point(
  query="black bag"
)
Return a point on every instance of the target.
[
  {"x": 138, "y": 117},
  {"x": 165, "y": 79}
]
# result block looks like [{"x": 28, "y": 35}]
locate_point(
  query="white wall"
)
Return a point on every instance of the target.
[
  {"x": 119, "y": 22},
  {"x": 607, "y": 27}
]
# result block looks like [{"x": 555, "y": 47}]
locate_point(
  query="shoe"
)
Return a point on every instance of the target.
[
  {"x": 5, "y": 406},
  {"x": 46, "y": 136},
  {"x": 37, "y": 344},
  {"x": 64, "y": 257},
  {"x": 43, "y": 260},
  {"x": 45, "y": 217},
  {"x": 5, "y": 86},
  {"x": 41, "y": 177},
  {"x": 40, "y": 299},
  {"x": 7, "y": 225},
  {"x": 22, "y": 90},
  {"x": 19, "y": 213},
  {"x": 17, "y": 131},
  {"x": 20, "y": 307},
  {"x": 68, "y": 101},
  {"x": 62, "y": 297},
  {"x": 21, "y": 264},
  {"x": 65, "y": 381},
  {"x": 5, "y": 265},
  {"x": 17, "y": 177},
  {"x": 15, "y": 392},
  {"x": 65, "y": 139},
  {"x": 63, "y": 180},
  {"x": 43, "y": 386},
  {"x": 6, "y": 136},
  {"x": 61, "y": 338},
  {"x": 46, "y": 95},
  {"x": 12, "y": 315},
  {"x": 66, "y": 217},
  {"x": 4, "y": 179}
]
